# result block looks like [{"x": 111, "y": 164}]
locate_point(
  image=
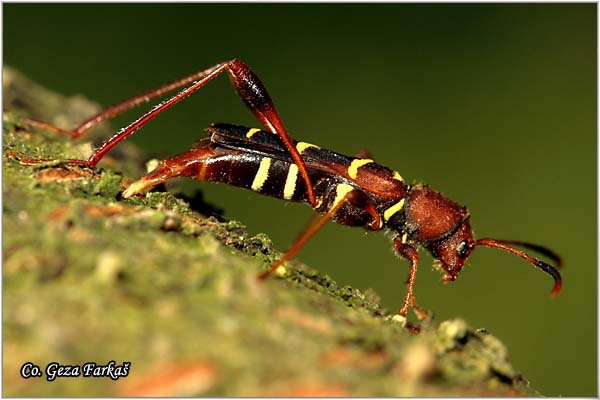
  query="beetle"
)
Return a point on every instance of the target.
[{"x": 353, "y": 191}]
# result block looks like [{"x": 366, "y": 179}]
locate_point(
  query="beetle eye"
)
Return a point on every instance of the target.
[{"x": 462, "y": 249}]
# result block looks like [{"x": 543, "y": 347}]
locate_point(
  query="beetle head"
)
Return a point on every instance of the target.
[
  {"x": 443, "y": 227},
  {"x": 452, "y": 251}
]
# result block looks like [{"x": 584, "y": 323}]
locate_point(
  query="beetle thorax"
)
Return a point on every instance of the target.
[
  {"x": 439, "y": 225},
  {"x": 429, "y": 216}
]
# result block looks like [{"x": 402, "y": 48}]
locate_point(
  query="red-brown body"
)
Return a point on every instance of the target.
[
  {"x": 352, "y": 191},
  {"x": 379, "y": 198}
]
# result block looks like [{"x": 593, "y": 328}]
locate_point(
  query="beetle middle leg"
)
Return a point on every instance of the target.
[
  {"x": 343, "y": 194},
  {"x": 362, "y": 153}
]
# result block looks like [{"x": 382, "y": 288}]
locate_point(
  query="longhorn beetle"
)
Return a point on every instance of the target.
[{"x": 351, "y": 191}]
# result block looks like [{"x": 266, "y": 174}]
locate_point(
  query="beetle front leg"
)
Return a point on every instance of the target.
[{"x": 410, "y": 253}]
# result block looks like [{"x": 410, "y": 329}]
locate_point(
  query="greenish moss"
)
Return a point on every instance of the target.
[{"x": 89, "y": 276}]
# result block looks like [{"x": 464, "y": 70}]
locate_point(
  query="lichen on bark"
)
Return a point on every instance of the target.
[{"x": 89, "y": 276}]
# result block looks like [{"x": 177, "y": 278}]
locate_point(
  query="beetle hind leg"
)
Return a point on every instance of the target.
[
  {"x": 155, "y": 177},
  {"x": 190, "y": 163}
]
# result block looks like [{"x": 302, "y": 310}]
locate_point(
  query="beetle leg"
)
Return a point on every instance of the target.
[
  {"x": 410, "y": 253},
  {"x": 245, "y": 82},
  {"x": 376, "y": 224},
  {"x": 182, "y": 165},
  {"x": 344, "y": 193},
  {"x": 46, "y": 126},
  {"x": 364, "y": 153}
]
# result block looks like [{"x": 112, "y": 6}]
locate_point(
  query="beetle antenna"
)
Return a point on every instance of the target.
[
  {"x": 502, "y": 245},
  {"x": 536, "y": 247}
]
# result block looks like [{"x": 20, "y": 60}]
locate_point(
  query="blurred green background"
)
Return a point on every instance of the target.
[{"x": 493, "y": 105}]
